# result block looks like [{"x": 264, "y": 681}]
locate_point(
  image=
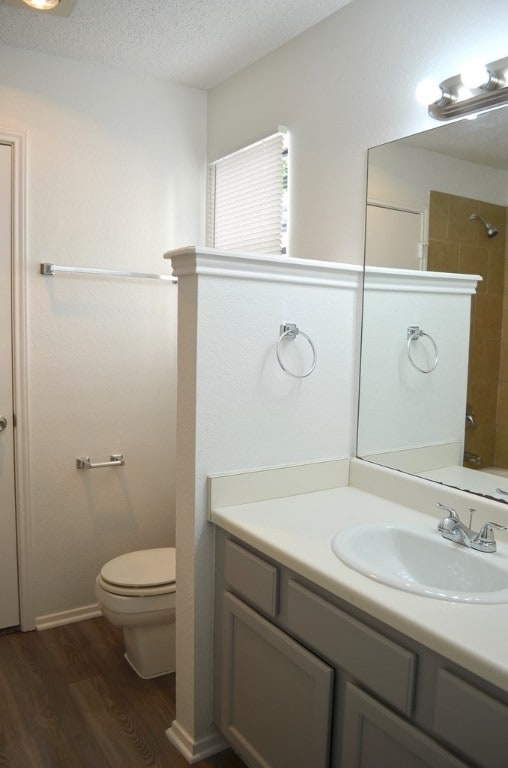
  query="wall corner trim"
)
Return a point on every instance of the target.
[
  {"x": 415, "y": 281},
  {"x": 195, "y": 750},
  {"x": 196, "y": 260}
]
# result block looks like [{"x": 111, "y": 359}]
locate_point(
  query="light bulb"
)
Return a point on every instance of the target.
[
  {"x": 475, "y": 74},
  {"x": 42, "y": 5},
  {"x": 428, "y": 92}
]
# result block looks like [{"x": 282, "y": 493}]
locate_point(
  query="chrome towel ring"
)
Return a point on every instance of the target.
[
  {"x": 413, "y": 334},
  {"x": 291, "y": 331}
]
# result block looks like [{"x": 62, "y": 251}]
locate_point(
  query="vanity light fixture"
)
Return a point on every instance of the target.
[
  {"x": 479, "y": 88},
  {"x": 48, "y": 7},
  {"x": 42, "y": 5}
]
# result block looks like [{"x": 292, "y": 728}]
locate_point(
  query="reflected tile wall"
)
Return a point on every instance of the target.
[{"x": 458, "y": 245}]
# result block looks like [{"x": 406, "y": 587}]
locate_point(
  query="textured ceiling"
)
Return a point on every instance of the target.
[
  {"x": 193, "y": 42},
  {"x": 483, "y": 141}
]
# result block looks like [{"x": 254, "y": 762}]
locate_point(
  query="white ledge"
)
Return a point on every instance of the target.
[
  {"x": 415, "y": 281},
  {"x": 197, "y": 260}
]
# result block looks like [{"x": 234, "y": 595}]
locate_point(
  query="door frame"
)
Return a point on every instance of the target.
[
  {"x": 421, "y": 210},
  {"x": 17, "y": 141}
]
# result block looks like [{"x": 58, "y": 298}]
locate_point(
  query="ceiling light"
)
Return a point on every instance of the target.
[
  {"x": 42, "y": 5},
  {"x": 485, "y": 89}
]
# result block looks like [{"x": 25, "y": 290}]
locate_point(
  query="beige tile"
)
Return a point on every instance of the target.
[
  {"x": 438, "y": 216},
  {"x": 502, "y": 404},
  {"x": 503, "y": 360},
  {"x": 443, "y": 256},
  {"x": 491, "y": 358},
  {"x": 476, "y": 356},
  {"x": 482, "y": 442},
  {"x": 496, "y": 271},
  {"x": 501, "y": 455},
  {"x": 488, "y": 316},
  {"x": 474, "y": 260},
  {"x": 483, "y": 400},
  {"x": 484, "y": 360},
  {"x": 460, "y": 229}
]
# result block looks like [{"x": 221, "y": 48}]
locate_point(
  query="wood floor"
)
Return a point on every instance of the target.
[{"x": 68, "y": 699}]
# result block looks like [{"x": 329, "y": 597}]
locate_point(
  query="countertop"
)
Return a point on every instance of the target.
[{"x": 297, "y": 530}]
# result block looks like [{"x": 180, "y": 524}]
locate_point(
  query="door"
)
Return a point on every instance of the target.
[
  {"x": 276, "y": 697},
  {"x": 394, "y": 237},
  {"x": 9, "y": 598},
  {"x": 374, "y": 737}
]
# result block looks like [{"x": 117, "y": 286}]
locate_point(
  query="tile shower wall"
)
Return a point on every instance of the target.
[{"x": 459, "y": 245}]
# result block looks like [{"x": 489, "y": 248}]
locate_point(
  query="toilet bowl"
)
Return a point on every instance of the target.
[{"x": 136, "y": 592}]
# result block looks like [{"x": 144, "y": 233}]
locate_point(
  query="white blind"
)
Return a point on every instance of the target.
[{"x": 245, "y": 198}]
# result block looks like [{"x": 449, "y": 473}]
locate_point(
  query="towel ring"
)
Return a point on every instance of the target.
[
  {"x": 413, "y": 334},
  {"x": 291, "y": 331}
]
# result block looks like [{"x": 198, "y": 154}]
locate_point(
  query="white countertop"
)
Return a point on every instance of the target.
[
  {"x": 483, "y": 481},
  {"x": 297, "y": 530}
]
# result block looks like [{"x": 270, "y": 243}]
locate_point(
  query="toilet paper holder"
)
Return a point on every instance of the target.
[{"x": 115, "y": 460}]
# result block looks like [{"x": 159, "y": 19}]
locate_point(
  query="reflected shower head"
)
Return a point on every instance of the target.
[{"x": 491, "y": 229}]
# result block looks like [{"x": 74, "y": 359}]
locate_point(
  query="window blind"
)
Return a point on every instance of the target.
[{"x": 245, "y": 198}]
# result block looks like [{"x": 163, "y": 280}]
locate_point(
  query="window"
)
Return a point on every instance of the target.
[{"x": 247, "y": 198}]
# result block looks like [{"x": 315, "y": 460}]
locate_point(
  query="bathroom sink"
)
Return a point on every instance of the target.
[{"x": 417, "y": 559}]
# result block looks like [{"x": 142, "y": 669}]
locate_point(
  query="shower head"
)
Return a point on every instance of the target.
[{"x": 491, "y": 229}]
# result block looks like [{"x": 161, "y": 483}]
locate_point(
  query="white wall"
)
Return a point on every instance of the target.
[
  {"x": 237, "y": 409},
  {"x": 115, "y": 177},
  {"x": 402, "y": 174},
  {"x": 343, "y": 86},
  {"x": 401, "y": 407}
]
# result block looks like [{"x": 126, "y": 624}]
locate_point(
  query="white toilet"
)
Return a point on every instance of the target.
[{"x": 136, "y": 592}]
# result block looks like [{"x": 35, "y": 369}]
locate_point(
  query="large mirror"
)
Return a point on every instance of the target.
[{"x": 434, "y": 370}]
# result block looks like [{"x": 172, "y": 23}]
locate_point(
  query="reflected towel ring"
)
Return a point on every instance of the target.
[
  {"x": 291, "y": 331},
  {"x": 413, "y": 334}
]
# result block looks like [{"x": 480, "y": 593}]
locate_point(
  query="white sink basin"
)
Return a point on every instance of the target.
[{"x": 420, "y": 560}]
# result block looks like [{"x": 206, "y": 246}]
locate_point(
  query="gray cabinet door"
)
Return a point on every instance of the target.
[
  {"x": 374, "y": 737},
  {"x": 275, "y": 695}
]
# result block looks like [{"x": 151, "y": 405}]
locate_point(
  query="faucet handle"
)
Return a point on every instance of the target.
[
  {"x": 485, "y": 537},
  {"x": 449, "y": 511}
]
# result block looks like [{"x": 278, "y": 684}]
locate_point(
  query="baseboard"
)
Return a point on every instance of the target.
[
  {"x": 49, "y": 620},
  {"x": 192, "y": 750}
]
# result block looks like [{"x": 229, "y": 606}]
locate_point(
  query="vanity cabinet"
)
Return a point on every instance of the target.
[
  {"x": 276, "y": 697},
  {"x": 303, "y": 678},
  {"x": 375, "y": 737}
]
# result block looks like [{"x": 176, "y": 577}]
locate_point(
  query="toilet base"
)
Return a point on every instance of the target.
[{"x": 150, "y": 650}]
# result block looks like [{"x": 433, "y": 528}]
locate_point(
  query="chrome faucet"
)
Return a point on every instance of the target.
[{"x": 451, "y": 527}]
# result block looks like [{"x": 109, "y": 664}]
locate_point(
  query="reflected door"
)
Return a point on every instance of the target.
[
  {"x": 394, "y": 238},
  {"x": 9, "y": 597}
]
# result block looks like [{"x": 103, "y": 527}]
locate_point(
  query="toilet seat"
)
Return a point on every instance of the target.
[{"x": 142, "y": 573}]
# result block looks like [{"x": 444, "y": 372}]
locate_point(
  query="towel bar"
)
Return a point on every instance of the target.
[{"x": 116, "y": 460}]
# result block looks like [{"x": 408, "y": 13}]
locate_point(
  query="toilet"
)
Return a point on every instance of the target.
[{"x": 136, "y": 592}]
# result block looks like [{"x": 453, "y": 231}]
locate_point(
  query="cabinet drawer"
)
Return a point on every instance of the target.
[
  {"x": 250, "y": 577},
  {"x": 379, "y": 664},
  {"x": 471, "y": 720}
]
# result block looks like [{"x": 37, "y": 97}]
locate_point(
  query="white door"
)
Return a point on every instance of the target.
[
  {"x": 394, "y": 238},
  {"x": 9, "y": 598}
]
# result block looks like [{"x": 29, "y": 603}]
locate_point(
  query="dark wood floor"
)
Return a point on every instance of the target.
[{"x": 68, "y": 699}]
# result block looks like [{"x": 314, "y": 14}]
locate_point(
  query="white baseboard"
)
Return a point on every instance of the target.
[
  {"x": 67, "y": 617},
  {"x": 192, "y": 750}
]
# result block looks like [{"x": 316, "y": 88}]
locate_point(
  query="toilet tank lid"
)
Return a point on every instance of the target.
[{"x": 144, "y": 568}]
